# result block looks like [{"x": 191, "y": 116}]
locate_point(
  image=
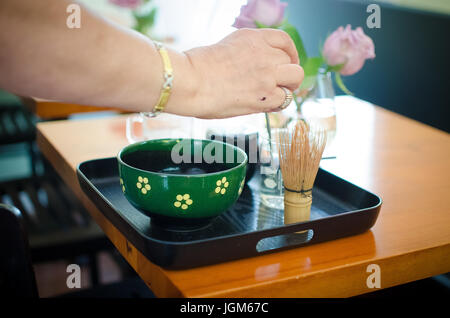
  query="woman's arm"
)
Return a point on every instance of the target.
[
  {"x": 97, "y": 64},
  {"x": 105, "y": 65}
]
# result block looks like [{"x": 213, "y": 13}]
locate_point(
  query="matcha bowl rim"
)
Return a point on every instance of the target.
[{"x": 128, "y": 148}]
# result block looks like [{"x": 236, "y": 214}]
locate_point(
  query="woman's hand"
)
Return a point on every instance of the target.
[
  {"x": 106, "y": 65},
  {"x": 241, "y": 74}
]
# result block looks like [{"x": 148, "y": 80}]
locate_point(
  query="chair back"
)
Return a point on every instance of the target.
[{"x": 16, "y": 271}]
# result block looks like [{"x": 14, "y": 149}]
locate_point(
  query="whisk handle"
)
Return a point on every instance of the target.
[{"x": 297, "y": 207}]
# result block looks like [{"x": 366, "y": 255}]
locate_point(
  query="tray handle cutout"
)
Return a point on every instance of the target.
[{"x": 284, "y": 240}]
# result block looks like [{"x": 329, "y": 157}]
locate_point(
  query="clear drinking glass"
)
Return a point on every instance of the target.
[
  {"x": 141, "y": 128},
  {"x": 319, "y": 109}
]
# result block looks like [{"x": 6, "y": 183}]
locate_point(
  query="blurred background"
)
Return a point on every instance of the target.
[{"x": 408, "y": 76}]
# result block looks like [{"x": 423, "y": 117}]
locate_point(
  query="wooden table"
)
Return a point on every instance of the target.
[
  {"x": 46, "y": 109},
  {"x": 403, "y": 161}
]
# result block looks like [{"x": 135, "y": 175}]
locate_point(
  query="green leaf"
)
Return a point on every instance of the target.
[
  {"x": 295, "y": 36},
  {"x": 145, "y": 21},
  {"x": 313, "y": 65},
  {"x": 308, "y": 82},
  {"x": 261, "y": 25},
  {"x": 335, "y": 68},
  {"x": 341, "y": 85},
  {"x": 311, "y": 69}
]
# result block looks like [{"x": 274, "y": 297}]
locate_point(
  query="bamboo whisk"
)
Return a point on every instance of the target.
[{"x": 300, "y": 151}]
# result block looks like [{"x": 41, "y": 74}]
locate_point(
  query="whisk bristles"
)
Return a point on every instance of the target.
[{"x": 300, "y": 151}]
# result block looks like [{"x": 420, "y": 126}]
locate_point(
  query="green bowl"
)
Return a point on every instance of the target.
[{"x": 182, "y": 183}]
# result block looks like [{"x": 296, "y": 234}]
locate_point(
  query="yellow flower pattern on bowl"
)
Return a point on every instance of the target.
[
  {"x": 123, "y": 186},
  {"x": 241, "y": 186},
  {"x": 222, "y": 185},
  {"x": 143, "y": 185},
  {"x": 183, "y": 201}
]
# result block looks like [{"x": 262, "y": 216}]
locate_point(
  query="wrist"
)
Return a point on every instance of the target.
[{"x": 185, "y": 86}]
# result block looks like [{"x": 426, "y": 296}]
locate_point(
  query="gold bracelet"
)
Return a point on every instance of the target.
[{"x": 167, "y": 85}]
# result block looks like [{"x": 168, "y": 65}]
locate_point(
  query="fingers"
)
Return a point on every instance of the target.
[
  {"x": 272, "y": 102},
  {"x": 289, "y": 76},
  {"x": 278, "y": 56},
  {"x": 277, "y": 99},
  {"x": 281, "y": 40}
]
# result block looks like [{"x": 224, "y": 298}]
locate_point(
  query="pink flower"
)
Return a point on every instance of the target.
[
  {"x": 267, "y": 12},
  {"x": 348, "y": 47},
  {"x": 132, "y": 4}
]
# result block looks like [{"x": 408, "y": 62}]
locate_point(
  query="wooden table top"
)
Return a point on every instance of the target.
[
  {"x": 403, "y": 161},
  {"x": 46, "y": 109}
]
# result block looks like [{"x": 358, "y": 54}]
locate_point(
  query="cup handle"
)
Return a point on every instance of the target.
[{"x": 132, "y": 138}]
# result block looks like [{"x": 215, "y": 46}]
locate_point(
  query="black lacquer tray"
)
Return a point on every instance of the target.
[{"x": 247, "y": 229}]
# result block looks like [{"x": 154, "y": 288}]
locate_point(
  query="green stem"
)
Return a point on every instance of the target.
[
  {"x": 341, "y": 85},
  {"x": 269, "y": 132}
]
